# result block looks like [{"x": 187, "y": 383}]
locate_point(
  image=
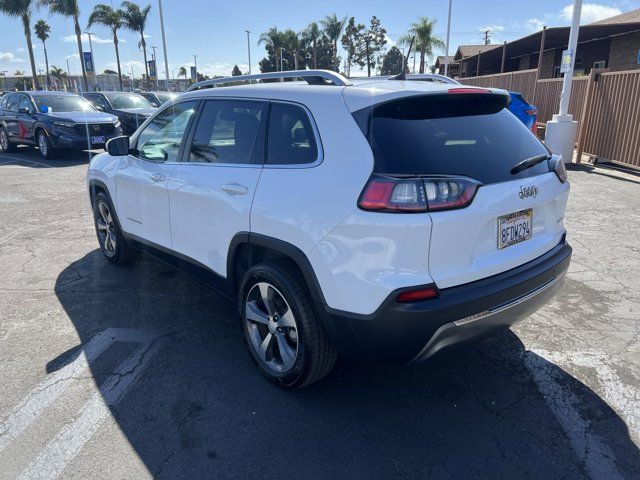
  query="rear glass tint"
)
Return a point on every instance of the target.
[{"x": 453, "y": 134}]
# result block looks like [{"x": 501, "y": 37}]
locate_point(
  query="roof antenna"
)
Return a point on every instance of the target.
[{"x": 403, "y": 75}]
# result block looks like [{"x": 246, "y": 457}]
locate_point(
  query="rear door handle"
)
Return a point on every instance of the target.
[
  {"x": 235, "y": 189},
  {"x": 157, "y": 177}
]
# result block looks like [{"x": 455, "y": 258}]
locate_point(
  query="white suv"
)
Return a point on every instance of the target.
[{"x": 388, "y": 220}]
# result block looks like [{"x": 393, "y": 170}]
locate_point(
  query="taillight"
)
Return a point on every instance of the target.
[
  {"x": 556, "y": 165},
  {"x": 388, "y": 194},
  {"x": 531, "y": 111},
  {"x": 416, "y": 295}
]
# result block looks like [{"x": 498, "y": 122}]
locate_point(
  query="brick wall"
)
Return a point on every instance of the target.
[{"x": 624, "y": 52}]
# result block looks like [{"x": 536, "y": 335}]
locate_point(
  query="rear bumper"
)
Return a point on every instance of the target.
[{"x": 411, "y": 332}]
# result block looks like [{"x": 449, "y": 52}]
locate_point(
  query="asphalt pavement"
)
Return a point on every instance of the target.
[{"x": 138, "y": 371}]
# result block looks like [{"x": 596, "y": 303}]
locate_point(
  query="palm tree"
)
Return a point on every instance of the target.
[
  {"x": 272, "y": 39},
  {"x": 333, "y": 26},
  {"x": 70, "y": 8},
  {"x": 42, "y": 29},
  {"x": 58, "y": 73},
  {"x": 22, "y": 9},
  {"x": 425, "y": 40},
  {"x": 312, "y": 33},
  {"x": 182, "y": 72},
  {"x": 109, "y": 17},
  {"x": 135, "y": 19}
]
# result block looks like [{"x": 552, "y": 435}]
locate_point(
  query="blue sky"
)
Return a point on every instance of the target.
[{"x": 214, "y": 30}]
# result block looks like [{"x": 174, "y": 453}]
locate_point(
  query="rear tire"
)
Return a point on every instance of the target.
[
  {"x": 284, "y": 335},
  {"x": 5, "y": 144},
  {"x": 113, "y": 244},
  {"x": 44, "y": 145}
]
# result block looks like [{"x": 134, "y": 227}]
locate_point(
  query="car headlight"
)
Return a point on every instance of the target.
[
  {"x": 117, "y": 124},
  {"x": 64, "y": 124}
]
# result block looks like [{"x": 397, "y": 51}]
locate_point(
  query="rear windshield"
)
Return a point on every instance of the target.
[
  {"x": 473, "y": 135},
  {"x": 129, "y": 100}
]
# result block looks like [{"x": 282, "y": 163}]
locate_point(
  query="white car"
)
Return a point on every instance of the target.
[{"x": 388, "y": 220}]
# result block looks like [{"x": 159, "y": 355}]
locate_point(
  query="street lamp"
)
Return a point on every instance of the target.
[
  {"x": 446, "y": 51},
  {"x": 249, "y": 50},
  {"x": 69, "y": 73},
  {"x": 164, "y": 44},
  {"x": 195, "y": 64},
  {"x": 281, "y": 64}
]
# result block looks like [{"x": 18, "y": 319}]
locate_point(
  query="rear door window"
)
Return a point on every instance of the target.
[
  {"x": 229, "y": 131},
  {"x": 453, "y": 134},
  {"x": 12, "y": 102},
  {"x": 291, "y": 138}
]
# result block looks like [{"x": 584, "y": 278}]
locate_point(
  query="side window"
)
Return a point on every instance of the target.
[
  {"x": 3, "y": 101},
  {"x": 228, "y": 132},
  {"x": 97, "y": 101},
  {"x": 291, "y": 140},
  {"x": 161, "y": 139},
  {"x": 12, "y": 102},
  {"x": 25, "y": 103}
]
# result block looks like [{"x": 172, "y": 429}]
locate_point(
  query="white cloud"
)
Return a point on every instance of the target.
[
  {"x": 10, "y": 58},
  {"x": 535, "y": 24},
  {"x": 85, "y": 38},
  {"x": 591, "y": 12}
]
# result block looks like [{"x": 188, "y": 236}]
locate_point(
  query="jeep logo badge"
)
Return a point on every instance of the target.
[{"x": 526, "y": 192}]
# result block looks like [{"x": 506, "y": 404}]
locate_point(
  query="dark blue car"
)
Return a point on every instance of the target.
[
  {"x": 131, "y": 108},
  {"x": 53, "y": 121}
]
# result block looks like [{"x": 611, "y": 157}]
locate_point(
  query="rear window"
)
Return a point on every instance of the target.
[{"x": 473, "y": 135}]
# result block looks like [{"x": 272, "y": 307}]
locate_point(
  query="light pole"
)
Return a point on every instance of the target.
[
  {"x": 156, "y": 64},
  {"x": 446, "y": 51},
  {"x": 249, "y": 50},
  {"x": 68, "y": 74},
  {"x": 132, "y": 80},
  {"x": 281, "y": 64},
  {"x": 164, "y": 44},
  {"x": 561, "y": 131}
]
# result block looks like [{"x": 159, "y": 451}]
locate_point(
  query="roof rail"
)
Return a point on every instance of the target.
[
  {"x": 434, "y": 77},
  {"x": 312, "y": 77}
]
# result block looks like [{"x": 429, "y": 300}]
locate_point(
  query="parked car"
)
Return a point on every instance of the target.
[
  {"x": 522, "y": 109},
  {"x": 52, "y": 121},
  {"x": 131, "y": 108},
  {"x": 388, "y": 220},
  {"x": 158, "y": 98}
]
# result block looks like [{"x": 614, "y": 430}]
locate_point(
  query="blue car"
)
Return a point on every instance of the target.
[
  {"x": 523, "y": 110},
  {"x": 53, "y": 121}
]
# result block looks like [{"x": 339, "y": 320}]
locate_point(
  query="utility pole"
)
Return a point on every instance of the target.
[
  {"x": 249, "y": 50},
  {"x": 446, "y": 51},
  {"x": 164, "y": 45},
  {"x": 281, "y": 64},
  {"x": 561, "y": 131},
  {"x": 68, "y": 74},
  {"x": 195, "y": 63},
  {"x": 487, "y": 36},
  {"x": 132, "y": 82}
]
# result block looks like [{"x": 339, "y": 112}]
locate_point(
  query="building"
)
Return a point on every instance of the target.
[
  {"x": 613, "y": 43},
  {"x": 452, "y": 69}
]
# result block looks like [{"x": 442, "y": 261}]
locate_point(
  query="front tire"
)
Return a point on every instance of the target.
[
  {"x": 5, "y": 144},
  {"x": 113, "y": 244},
  {"x": 44, "y": 145},
  {"x": 285, "y": 337}
]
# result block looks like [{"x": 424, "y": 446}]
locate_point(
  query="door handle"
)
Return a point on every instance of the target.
[
  {"x": 157, "y": 177},
  {"x": 235, "y": 189}
]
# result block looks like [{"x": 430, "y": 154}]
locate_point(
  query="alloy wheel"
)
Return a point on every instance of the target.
[
  {"x": 106, "y": 229},
  {"x": 4, "y": 141},
  {"x": 272, "y": 327},
  {"x": 42, "y": 144}
]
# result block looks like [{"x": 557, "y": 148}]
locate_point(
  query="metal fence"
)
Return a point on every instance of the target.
[{"x": 606, "y": 105}]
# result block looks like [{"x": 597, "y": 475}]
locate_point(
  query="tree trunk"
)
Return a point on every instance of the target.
[
  {"x": 422, "y": 54},
  {"x": 315, "y": 53},
  {"x": 115, "y": 43},
  {"x": 146, "y": 67},
  {"x": 27, "y": 34},
  {"x": 46, "y": 65},
  {"x": 85, "y": 84}
]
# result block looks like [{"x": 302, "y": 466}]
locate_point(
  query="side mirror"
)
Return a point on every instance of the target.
[
  {"x": 24, "y": 110},
  {"x": 100, "y": 108},
  {"x": 118, "y": 146}
]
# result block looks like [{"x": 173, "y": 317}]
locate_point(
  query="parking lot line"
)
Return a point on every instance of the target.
[
  {"x": 20, "y": 159},
  {"x": 70, "y": 440},
  {"x": 562, "y": 400}
]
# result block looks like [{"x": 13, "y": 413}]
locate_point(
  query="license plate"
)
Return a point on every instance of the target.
[
  {"x": 515, "y": 228},
  {"x": 95, "y": 140}
]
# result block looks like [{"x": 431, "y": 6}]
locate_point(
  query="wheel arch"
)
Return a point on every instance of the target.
[{"x": 248, "y": 249}]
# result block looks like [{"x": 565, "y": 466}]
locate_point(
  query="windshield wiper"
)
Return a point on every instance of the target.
[{"x": 529, "y": 162}]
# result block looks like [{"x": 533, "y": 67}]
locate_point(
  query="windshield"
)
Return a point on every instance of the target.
[
  {"x": 129, "y": 100},
  {"x": 471, "y": 135},
  {"x": 165, "y": 97},
  {"x": 63, "y": 103}
]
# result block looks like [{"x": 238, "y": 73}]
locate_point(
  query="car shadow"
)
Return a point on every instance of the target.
[
  {"x": 200, "y": 408},
  {"x": 30, "y": 157}
]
